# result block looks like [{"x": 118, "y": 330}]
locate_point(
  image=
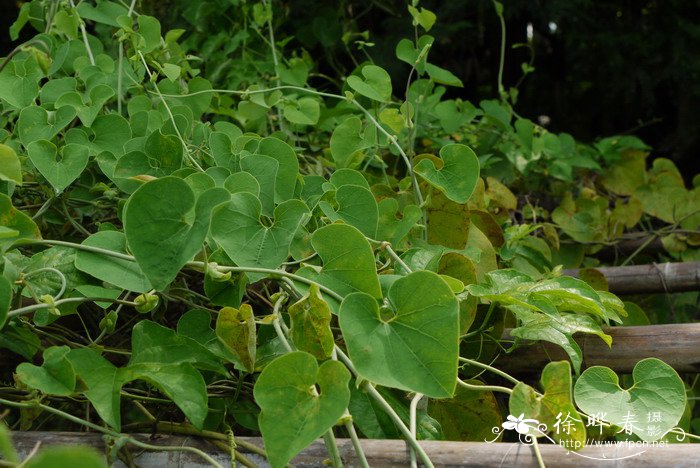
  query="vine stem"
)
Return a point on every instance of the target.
[
  {"x": 413, "y": 408},
  {"x": 117, "y": 435},
  {"x": 538, "y": 454},
  {"x": 195, "y": 265},
  {"x": 120, "y": 64},
  {"x": 276, "y": 322},
  {"x": 85, "y": 38},
  {"x": 501, "y": 63},
  {"x": 506, "y": 376},
  {"x": 356, "y": 442},
  {"x": 61, "y": 277},
  {"x": 387, "y": 247},
  {"x": 68, "y": 300},
  {"x": 172, "y": 118},
  {"x": 372, "y": 392},
  {"x": 485, "y": 388}
]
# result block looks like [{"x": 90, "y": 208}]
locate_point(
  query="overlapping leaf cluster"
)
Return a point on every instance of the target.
[{"x": 259, "y": 259}]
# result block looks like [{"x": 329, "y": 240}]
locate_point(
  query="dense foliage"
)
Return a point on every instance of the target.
[{"x": 201, "y": 231}]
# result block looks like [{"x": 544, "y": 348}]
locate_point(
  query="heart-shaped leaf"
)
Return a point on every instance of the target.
[
  {"x": 10, "y": 167},
  {"x": 552, "y": 408},
  {"x": 165, "y": 226},
  {"x": 376, "y": 84},
  {"x": 348, "y": 142},
  {"x": 304, "y": 111},
  {"x": 60, "y": 166},
  {"x": 658, "y": 395},
  {"x": 348, "y": 261},
  {"x": 121, "y": 273},
  {"x": 235, "y": 328},
  {"x": 237, "y": 228},
  {"x": 14, "y": 224},
  {"x": 286, "y": 175},
  {"x": 180, "y": 382},
  {"x": 356, "y": 206},
  {"x": 411, "y": 342},
  {"x": 311, "y": 324},
  {"x": 293, "y": 414},
  {"x": 458, "y": 176},
  {"x": 36, "y": 123},
  {"x": 55, "y": 376}
]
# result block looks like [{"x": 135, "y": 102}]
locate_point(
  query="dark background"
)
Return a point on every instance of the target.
[{"x": 610, "y": 67}]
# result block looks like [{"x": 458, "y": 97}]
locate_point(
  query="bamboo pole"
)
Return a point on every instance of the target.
[
  {"x": 393, "y": 453},
  {"x": 652, "y": 278},
  {"x": 677, "y": 345}
]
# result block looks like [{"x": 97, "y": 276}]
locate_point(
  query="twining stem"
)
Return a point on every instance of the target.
[
  {"x": 68, "y": 300},
  {"x": 85, "y": 38},
  {"x": 172, "y": 118},
  {"x": 501, "y": 63},
  {"x": 538, "y": 454},
  {"x": 332, "y": 447},
  {"x": 356, "y": 442},
  {"x": 485, "y": 388},
  {"x": 413, "y": 408},
  {"x": 276, "y": 322},
  {"x": 498, "y": 372},
  {"x": 61, "y": 277},
  {"x": 196, "y": 265},
  {"x": 387, "y": 248},
  {"x": 374, "y": 394},
  {"x": 116, "y": 435},
  {"x": 120, "y": 64}
]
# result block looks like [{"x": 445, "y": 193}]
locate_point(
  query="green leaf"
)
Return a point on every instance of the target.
[
  {"x": 10, "y": 167},
  {"x": 17, "y": 224},
  {"x": 155, "y": 343},
  {"x": 60, "y": 166},
  {"x": 311, "y": 324},
  {"x": 62, "y": 457},
  {"x": 36, "y": 123},
  {"x": 424, "y": 17},
  {"x": 105, "y": 12},
  {"x": 149, "y": 29},
  {"x": 19, "y": 82},
  {"x": 286, "y": 176},
  {"x": 235, "y": 328},
  {"x": 304, "y": 111},
  {"x": 103, "y": 381},
  {"x": 5, "y": 299},
  {"x": 356, "y": 206},
  {"x": 165, "y": 226},
  {"x": 376, "y": 84},
  {"x": 56, "y": 375},
  {"x": 121, "y": 273},
  {"x": 442, "y": 76},
  {"x": 457, "y": 177},
  {"x": 413, "y": 343},
  {"x": 392, "y": 224},
  {"x": 657, "y": 390},
  {"x": 237, "y": 228},
  {"x": 555, "y": 408},
  {"x": 196, "y": 324},
  {"x": 348, "y": 261},
  {"x": 172, "y": 71},
  {"x": 182, "y": 383},
  {"x": 293, "y": 414},
  {"x": 20, "y": 22},
  {"x": 348, "y": 143}
]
